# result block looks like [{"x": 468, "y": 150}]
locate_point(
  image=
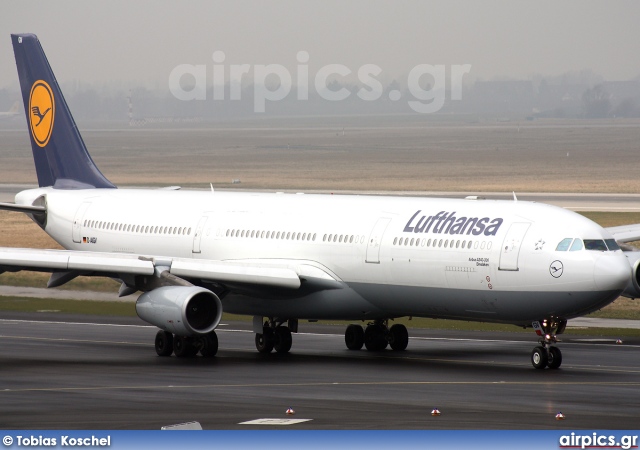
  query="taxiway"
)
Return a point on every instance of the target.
[{"x": 82, "y": 372}]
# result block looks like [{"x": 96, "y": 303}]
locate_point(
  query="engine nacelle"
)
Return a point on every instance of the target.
[
  {"x": 181, "y": 310},
  {"x": 633, "y": 289}
]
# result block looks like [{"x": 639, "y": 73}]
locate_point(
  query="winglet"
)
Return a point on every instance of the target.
[{"x": 60, "y": 156}]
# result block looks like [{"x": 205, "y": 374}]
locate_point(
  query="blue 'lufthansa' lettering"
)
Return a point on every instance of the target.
[{"x": 447, "y": 223}]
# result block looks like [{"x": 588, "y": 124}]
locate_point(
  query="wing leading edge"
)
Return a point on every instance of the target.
[
  {"x": 254, "y": 273},
  {"x": 625, "y": 233}
]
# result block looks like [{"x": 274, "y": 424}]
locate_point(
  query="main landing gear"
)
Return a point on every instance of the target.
[
  {"x": 377, "y": 336},
  {"x": 547, "y": 354},
  {"x": 167, "y": 343},
  {"x": 276, "y": 336}
]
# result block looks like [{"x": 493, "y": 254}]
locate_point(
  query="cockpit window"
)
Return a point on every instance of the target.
[
  {"x": 595, "y": 244},
  {"x": 612, "y": 244},
  {"x": 564, "y": 244},
  {"x": 577, "y": 245}
]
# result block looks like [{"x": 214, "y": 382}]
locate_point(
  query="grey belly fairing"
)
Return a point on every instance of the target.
[{"x": 366, "y": 301}]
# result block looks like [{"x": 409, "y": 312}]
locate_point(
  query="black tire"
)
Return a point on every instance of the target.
[
  {"x": 164, "y": 343},
  {"x": 265, "y": 341},
  {"x": 354, "y": 337},
  {"x": 539, "y": 358},
  {"x": 183, "y": 348},
  {"x": 282, "y": 339},
  {"x": 209, "y": 345},
  {"x": 555, "y": 358},
  {"x": 398, "y": 337},
  {"x": 374, "y": 338}
]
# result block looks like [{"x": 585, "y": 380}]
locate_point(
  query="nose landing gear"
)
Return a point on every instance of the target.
[{"x": 547, "y": 354}]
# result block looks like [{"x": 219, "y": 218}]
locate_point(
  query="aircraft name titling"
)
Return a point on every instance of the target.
[{"x": 447, "y": 223}]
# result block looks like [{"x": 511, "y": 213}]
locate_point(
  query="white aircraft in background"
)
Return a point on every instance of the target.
[
  {"x": 283, "y": 258},
  {"x": 13, "y": 111}
]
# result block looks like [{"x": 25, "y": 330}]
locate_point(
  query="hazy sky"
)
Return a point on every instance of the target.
[{"x": 143, "y": 40}]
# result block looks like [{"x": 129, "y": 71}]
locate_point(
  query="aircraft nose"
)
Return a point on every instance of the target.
[{"x": 612, "y": 272}]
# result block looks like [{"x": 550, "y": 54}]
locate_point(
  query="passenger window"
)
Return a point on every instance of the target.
[
  {"x": 564, "y": 244},
  {"x": 395, "y": 240},
  {"x": 612, "y": 244},
  {"x": 577, "y": 245},
  {"x": 595, "y": 244},
  {"x": 440, "y": 243}
]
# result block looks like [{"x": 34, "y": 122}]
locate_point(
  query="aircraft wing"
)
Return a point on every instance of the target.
[
  {"x": 625, "y": 233},
  {"x": 248, "y": 273}
]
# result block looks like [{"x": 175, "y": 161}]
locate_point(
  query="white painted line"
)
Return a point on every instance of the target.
[
  {"x": 50, "y": 322},
  {"x": 274, "y": 421}
]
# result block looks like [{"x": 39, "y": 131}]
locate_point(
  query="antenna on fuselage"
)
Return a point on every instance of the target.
[{"x": 515, "y": 199}]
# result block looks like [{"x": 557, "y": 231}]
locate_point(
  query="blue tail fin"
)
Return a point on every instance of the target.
[{"x": 61, "y": 158}]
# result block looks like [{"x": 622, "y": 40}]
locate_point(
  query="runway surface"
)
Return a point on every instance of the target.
[
  {"x": 81, "y": 372},
  {"x": 572, "y": 201}
]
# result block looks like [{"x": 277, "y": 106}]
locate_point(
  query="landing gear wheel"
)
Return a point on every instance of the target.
[
  {"x": 265, "y": 341},
  {"x": 209, "y": 345},
  {"x": 183, "y": 348},
  {"x": 164, "y": 343},
  {"x": 282, "y": 339},
  {"x": 555, "y": 358},
  {"x": 374, "y": 338},
  {"x": 539, "y": 358},
  {"x": 354, "y": 337},
  {"x": 398, "y": 337}
]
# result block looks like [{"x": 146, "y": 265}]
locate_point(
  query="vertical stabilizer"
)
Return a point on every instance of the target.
[{"x": 61, "y": 158}]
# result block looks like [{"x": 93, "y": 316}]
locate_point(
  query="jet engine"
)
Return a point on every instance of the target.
[
  {"x": 181, "y": 310},
  {"x": 633, "y": 289}
]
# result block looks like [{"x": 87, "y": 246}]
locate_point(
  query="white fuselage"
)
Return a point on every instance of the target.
[{"x": 396, "y": 256}]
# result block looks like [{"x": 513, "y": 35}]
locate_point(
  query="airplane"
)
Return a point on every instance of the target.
[
  {"x": 282, "y": 258},
  {"x": 13, "y": 111}
]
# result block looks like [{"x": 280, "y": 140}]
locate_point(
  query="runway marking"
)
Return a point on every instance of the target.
[
  {"x": 326, "y": 384},
  {"x": 418, "y": 338},
  {"x": 51, "y": 322},
  {"x": 275, "y": 421},
  {"x": 49, "y": 339}
]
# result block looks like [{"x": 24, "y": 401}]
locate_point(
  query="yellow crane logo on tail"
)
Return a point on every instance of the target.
[{"x": 42, "y": 111}]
